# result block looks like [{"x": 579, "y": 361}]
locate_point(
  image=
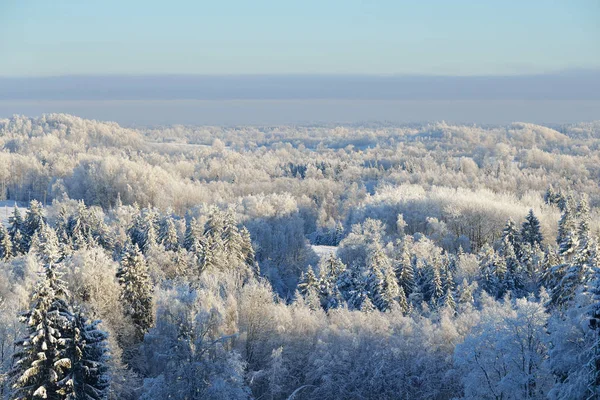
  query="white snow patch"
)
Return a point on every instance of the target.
[
  {"x": 6, "y": 210},
  {"x": 324, "y": 250}
]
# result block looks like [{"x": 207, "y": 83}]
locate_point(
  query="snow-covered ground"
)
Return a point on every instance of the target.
[
  {"x": 324, "y": 250},
  {"x": 6, "y": 209}
]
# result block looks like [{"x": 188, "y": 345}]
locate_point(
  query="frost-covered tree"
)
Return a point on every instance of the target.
[
  {"x": 136, "y": 290},
  {"x": 167, "y": 235},
  {"x": 504, "y": 354},
  {"x": 381, "y": 280},
  {"x": 42, "y": 362},
  {"x": 531, "y": 231},
  {"x": 6, "y": 247},
  {"x": 404, "y": 269},
  {"x": 15, "y": 231},
  {"x": 510, "y": 235},
  {"x": 87, "y": 349}
]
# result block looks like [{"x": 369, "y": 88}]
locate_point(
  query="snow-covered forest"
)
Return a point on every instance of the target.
[{"x": 377, "y": 261}]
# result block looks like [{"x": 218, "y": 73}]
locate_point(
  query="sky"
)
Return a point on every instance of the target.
[{"x": 337, "y": 37}]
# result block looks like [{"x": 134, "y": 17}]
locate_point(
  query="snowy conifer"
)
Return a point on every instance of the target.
[
  {"x": 6, "y": 247},
  {"x": 15, "y": 231},
  {"x": 405, "y": 271},
  {"x": 34, "y": 218},
  {"x": 168, "y": 235},
  {"x": 136, "y": 289},
  {"x": 88, "y": 378},
  {"x": 530, "y": 230},
  {"x": 42, "y": 361}
]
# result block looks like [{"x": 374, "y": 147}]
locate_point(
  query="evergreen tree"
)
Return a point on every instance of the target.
[
  {"x": 191, "y": 241},
  {"x": 593, "y": 364},
  {"x": 6, "y": 247},
  {"x": 567, "y": 226},
  {"x": 448, "y": 301},
  {"x": 15, "y": 231},
  {"x": 34, "y": 218},
  {"x": 367, "y": 305},
  {"x": 136, "y": 289},
  {"x": 402, "y": 301},
  {"x": 308, "y": 282},
  {"x": 79, "y": 228},
  {"x": 330, "y": 269},
  {"x": 511, "y": 235},
  {"x": 232, "y": 239},
  {"x": 437, "y": 289},
  {"x": 530, "y": 230},
  {"x": 62, "y": 229},
  {"x": 42, "y": 362},
  {"x": 248, "y": 252},
  {"x": 308, "y": 289},
  {"x": 88, "y": 378},
  {"x": 168, "y": 235},
  {"x": 381, "y": 284},
  {"x": 405, "y": 271},
  {"x": 513, "y": 277},
  {"x": 45, "y": 245}
]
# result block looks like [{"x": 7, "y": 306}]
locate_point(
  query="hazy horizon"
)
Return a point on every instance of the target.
[{"x": 565, "y": 97}]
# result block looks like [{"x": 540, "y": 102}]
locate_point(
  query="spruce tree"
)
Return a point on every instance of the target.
[
  {"x": 136, "y": 290},
  {"x": 248, "y": 252},
  {"x": 593, "y": 363},
  {"x": 530, "y": 230},
  {"x": 15, "y": 231},
  {"x": 191, "y": 241},
  {"x": 402, "y": 301},
  {"x": 330, "y": 269},
  {"x": 448, "y": 301},
  {"x": 168, "y": 235},
  {"x": 42, "y": 360},
  {"x": 6, "y": 251},
  {"x": 405, "y": 271},
  {"x": 88, "y": 378},
  {"x": 79, "y": 228},
  {"x": 381, "y": 282},
  {"x": 34, "y": 218},
  {"x": 511, "y": 235}
]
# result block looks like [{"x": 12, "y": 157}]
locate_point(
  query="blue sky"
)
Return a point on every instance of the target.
[{"x": 59, "y": 37}]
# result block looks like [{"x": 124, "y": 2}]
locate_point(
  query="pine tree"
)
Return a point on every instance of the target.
[
  {"x": 308, "y": 288},
  {"x": 248, "y": 252},
  {"x": 78, "y": 227},
  {"x": 15, "y": 231},
  {"x": 62, "y": 228},
  {"x": 448, "y": 301},
  {"x": 6, "y": 247},
  {"x": 88, "y": 378},
  {"x": 405, "y": 271},
  {"x": 437, "y": 289},
  {"x": 513, "y": 277},
  {"x": 136, "y": 289},
  {"x": 511, "y": 235},
  {"x": 593, "y": 364},
  {"x": 42, "y": 361},
  {"x": 530, "y": 230},
  {"x": 34, "y": 218},
  {"x": 232, "y": 239},
  {"x": 381, "y": 284},
  {"x": 330, "y": 269},
  {"x": 45, "y": 245},
  {"x": 168, "y": 235},
  {"x": 567, "y": 235},
  {"x": 191, "y": 240},
  {"x": 308, "y": 281},
  {"x": 367, "y": 305},
  {"x": 402, "y": 301}
]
